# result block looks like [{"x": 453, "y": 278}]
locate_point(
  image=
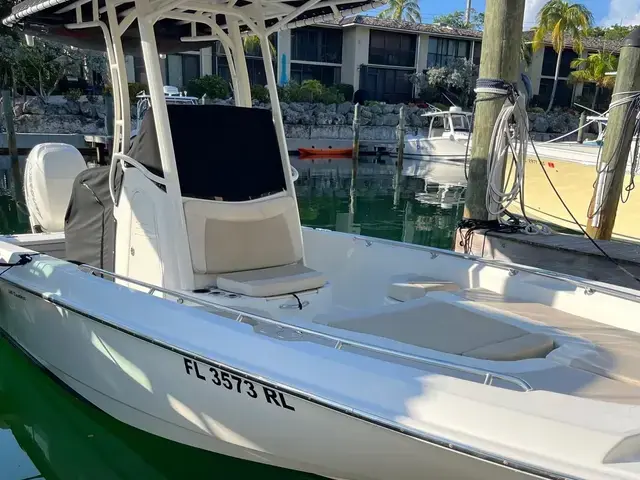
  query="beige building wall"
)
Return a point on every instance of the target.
[
  {"x": 422, "y": 49},
  {"x": 534, "y": 70},
  {"x": 355, "y": 52},
  {"x": 206, "y": 61}
]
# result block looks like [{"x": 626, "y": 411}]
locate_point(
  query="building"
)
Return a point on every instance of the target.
[{"x": 375, "y": 54}]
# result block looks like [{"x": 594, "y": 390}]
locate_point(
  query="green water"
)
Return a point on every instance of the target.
[{"x": 46, "y": 432}]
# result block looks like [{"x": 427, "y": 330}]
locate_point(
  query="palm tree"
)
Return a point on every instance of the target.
[
  {"x": 251, "y": 44},
  {"x": 408, "y": 10},
  {"x": 594, "y": 69},
  {"x": 560, "y": 18},
  {"x": 525, "y": 52}
]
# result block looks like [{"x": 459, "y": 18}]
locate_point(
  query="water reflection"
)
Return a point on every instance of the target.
[
  {"x": 46, "y": 432},
  {"x": 420, "y": 203}
]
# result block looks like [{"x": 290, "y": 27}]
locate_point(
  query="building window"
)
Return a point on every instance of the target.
[
  {"x": 316, "y": 44},
  {"x": 389, "y": 48},
  {"x": 563, "y": 96},
  {"x": 252, "y": 48},
  {"x": 477, "y": 52},
  {"x": 255, "y": 68},
  {"x": 139, "y": 72},
  {"x": 444, "y": 50},
  {"x": 181, "y": 68},
  {"x": 551, "y": 57},
  {"x": 389, "y": 85},
  {"x": 327, "y": 75}
]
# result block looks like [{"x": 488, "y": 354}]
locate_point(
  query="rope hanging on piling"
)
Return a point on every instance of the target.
[
  {"x": 508, "y": 147},
  {"x": 604, "y": 174}
]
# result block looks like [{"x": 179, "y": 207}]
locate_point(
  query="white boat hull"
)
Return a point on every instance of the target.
[
  {"x": 173, "y": 395},
  {"x": 301, "y": 403}
]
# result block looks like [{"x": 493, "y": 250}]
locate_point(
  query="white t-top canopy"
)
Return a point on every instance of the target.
[{"x": 173, "y": 28}]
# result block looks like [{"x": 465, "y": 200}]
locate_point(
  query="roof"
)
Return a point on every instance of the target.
[
  {"x": 589, "y": 43},
  {"x": 400, "y": 25},
  {"x": 51, "y": 19}
]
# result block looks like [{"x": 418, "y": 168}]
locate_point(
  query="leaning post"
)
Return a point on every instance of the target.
[
  {"x": 615, "y": 155},
  {"x": 500, "y": 59}
]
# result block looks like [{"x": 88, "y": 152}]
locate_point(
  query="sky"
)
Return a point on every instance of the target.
[{"x": 605, "y": 12}]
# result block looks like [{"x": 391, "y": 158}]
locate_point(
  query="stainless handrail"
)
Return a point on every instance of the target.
[{"x": 340, "y": 342}]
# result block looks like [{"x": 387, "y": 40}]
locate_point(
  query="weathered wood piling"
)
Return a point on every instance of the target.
[
  {"x": 356, "y": 133},
  {"x": 500, "y": 59},
  {"x": 615, "y": 154}
]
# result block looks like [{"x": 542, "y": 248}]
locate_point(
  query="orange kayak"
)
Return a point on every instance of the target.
[{"x": 325, "y": 151}]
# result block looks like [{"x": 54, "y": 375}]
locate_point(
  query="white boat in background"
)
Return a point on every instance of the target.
[
  {"x": 446, "y": 139},
  {"x": 181, "y": 296},
  {"x": 172, "y": 95}
]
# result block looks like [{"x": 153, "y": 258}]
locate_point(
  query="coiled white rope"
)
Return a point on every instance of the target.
[{"x": 508, "y": 148}]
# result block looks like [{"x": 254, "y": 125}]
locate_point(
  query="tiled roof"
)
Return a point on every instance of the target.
[
  {"x": 590, "y": 43},
  {"x": 371, "y": 21}
]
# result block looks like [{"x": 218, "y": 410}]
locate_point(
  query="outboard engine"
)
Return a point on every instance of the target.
[{"x": 49, "y": 173}]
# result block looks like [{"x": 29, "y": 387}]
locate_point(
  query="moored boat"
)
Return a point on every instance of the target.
[{"x": 181, "y": 295}]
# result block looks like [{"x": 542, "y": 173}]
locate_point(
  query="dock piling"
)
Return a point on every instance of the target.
[
  {"x": 615, "y": 154},
  {"x": 16, "y": 174},
  {"x": 500, "y": 59},
  {"x": 400, "y": 137},
  {"x": 7, "y": 108},
  {"x": 581, "y": 132},
  {"x": 356, "y": 133}
]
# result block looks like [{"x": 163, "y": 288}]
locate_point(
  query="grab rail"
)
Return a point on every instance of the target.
[{"x": 488, "y": 375}]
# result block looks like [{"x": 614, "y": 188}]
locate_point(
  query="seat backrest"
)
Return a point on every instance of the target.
[
  {"x": 234, "y": 236},
  {"x": 49, "y": 174}
]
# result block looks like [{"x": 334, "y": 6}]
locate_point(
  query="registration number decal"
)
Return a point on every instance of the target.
[{"x": 234, "y": 383}]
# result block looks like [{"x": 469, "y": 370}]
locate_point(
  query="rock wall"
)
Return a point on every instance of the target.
[
  {"x": 302, "y": 120},
  {"x": 59, "y": 115}
]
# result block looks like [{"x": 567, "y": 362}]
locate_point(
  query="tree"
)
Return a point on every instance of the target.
[
  {"x": 457, "y": 77},
  {"x": 525, "y": 51},
  {"x": 594, "y": 69},
  {"x": 42, "y": 66},
  {"x": 614, "y": 32},
  {"x": 560, "y": 18},
  {"x": 408, "y": 10},
  {"x": 457, "y": 20},
  {"x": 252, "y": 46}
]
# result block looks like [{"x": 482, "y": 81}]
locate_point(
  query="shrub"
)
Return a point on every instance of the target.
[
  {"x": 73, "y": 94},
  {"x": 310, "y": 91},
  {"x": 536, "y": 110},
  {"x": 260, "y": 93},
  {"x": 214, "y": 86},
  {"x": 346, "y": 90},
  {"x": 330, "y": 95}
]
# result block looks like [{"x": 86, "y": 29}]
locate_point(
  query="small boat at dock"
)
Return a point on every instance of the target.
[{"x": 325, "y": 152}]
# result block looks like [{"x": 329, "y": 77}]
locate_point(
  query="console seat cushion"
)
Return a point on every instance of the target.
[
  {"x": 411, "y": 287},
  {"x": 269, "y": 282}
]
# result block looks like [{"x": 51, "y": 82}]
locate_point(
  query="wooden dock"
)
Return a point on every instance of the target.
[{"x": 564, "y": 253}]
